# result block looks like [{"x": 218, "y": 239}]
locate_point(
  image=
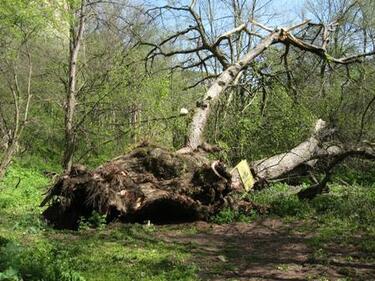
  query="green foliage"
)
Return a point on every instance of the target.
[
  {"x": 17, "y": 15},
  {"x": 96, "y": 220},
  {"x": 289, "y": 205},
  {"x": 336, "y": 216},
  {"x": 228, "y": 216},
  {"x": 10, "y": 275},
  {"x": 356, "y": 172},
  {"x": 30, "y": 250},
  {"x": 120, "y": 253},
  {"x": 39, "y": 262},
  {"x": 21, "y": 21},
  {"x": 247, "y": 133},
  {"x": 353, "y": 203},
  {"x": 21, "y": 188}
]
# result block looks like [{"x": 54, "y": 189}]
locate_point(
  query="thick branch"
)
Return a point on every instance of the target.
[
  {"x": 224, "y": 80},
  {"x": 322, "y": 52},
  {"x": 280, "y": 164}
]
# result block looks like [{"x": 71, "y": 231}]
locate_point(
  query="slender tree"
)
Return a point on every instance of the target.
[
  {"x": 17, "y": 34},
  {"x": 76, "y": 32}
]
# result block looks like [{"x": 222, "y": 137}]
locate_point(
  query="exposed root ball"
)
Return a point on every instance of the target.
[{"x": 149, "y": 183}]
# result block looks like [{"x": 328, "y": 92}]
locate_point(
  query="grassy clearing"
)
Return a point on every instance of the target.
[
  {"x": 30, "y": 250},
  {"x": 345, "y": 215},
  {"x": 342, "y": 215}
]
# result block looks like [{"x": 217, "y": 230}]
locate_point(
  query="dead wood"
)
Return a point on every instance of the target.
[
  {"x": 300, "y": 158},
  {"x": 150, "y": 183},
  {"x": 334, "y": 155}
]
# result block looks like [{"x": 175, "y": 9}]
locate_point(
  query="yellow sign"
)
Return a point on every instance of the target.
[{"x": 245, "y": 174}]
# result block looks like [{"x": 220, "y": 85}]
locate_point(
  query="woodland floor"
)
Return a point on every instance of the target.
[
  {"x": 269, "y": 249},
  {"x": 330, "y": 238}
]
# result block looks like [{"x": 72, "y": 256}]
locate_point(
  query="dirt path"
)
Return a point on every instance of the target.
[{"x": 268, "y": 250}]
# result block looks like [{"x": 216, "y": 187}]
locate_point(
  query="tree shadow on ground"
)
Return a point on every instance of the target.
[{"x": 269, "y": 250}]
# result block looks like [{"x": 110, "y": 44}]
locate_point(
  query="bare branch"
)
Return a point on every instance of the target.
[
  {"x": 320, "y": 51},
  {"x": 209, "y": 77},
  {"x": 293, "y": 27},
  {"x": 261, "y": 25}
]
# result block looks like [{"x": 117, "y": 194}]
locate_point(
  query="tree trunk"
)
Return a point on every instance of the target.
[
  {"x": 70, "y": 107},
  {"x": 7, "y": 158},
  {"x": 19, "y": 120},
  {"x": 278, "y": 165},
  {"x": 202, "y": 112}
]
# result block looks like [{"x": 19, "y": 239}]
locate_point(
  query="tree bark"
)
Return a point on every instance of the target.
[
  {"x": 20, "y": 118},
  {"x": 278, "y": 165},
  {"x": 7, "y": 158},
  {"x": 70, "y": 107},
  {"x": 202, "y": 112}
]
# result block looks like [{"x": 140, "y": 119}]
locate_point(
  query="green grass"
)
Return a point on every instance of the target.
[
  {"x": 340, "y": 216},
  {"x": 30, "y": 250},
  {"x": 345, "y": 215}
]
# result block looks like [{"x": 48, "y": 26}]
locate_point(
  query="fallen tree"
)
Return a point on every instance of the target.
[{"x": 152, "y": 183}]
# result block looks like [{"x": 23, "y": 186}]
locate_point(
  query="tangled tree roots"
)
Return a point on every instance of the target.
[{"x": 150, "y": 183}]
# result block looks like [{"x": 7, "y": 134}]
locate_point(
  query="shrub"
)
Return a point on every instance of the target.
[{"x": 40, "y": 262}]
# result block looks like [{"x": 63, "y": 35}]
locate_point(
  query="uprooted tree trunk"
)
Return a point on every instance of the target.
[
  {"x": 217, "y": 88},
  {"x": 305, "y": 153}
]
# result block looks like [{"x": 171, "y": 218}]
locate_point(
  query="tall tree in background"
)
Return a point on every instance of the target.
[
  {"x": 101, "y": 52},
  {"x": 21, "y": 22},
  {"x": 76, "y": 31}
]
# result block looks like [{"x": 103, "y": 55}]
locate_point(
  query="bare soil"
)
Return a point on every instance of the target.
[{"x": 268, "y": 250}]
